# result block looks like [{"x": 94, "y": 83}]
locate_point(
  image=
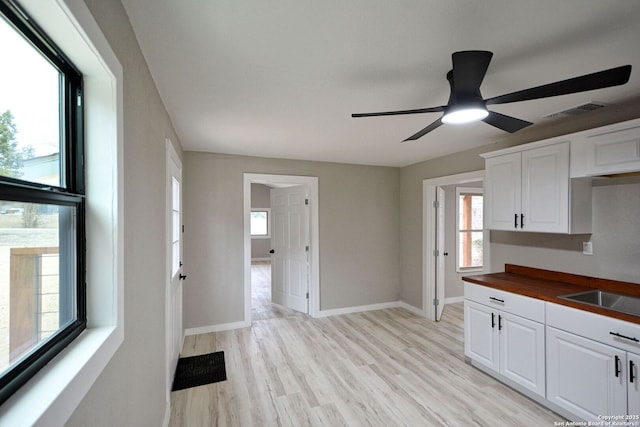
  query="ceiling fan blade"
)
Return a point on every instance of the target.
[
  {"x": 601, "y": 79},
  {"x": 396, "y": 113},
  {"x": 424, "y": 131},
  {"x": 469, "y": 69},
  {"x": 506, "y": 123}
]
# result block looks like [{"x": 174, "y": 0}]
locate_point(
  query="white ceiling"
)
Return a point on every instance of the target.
[{"x": 281, "y": 78}]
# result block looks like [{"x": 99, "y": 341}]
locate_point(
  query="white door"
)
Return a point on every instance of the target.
[
  {"x": 439, "y": 253},
  {"x": 585, "y": 377},
  {"x": 173, "y": 309},
  {"x": 633, "y": 384},
  {"x": 522, "y": 351},
  {"x": 290, "y": 247},
  {"x": 480, "y": 337}
]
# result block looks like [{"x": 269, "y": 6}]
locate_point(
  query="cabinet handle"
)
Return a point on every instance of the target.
[
  {"x": 617, "y": 367},
  {"x": 496, "y": 300},
  {"x": 631, "y": 368},
  {"x": 499, "y": 322},
  {"x": 624, "y": 336},
  {"x": 515, "y": 220},
  {"x": 521, "y": 220},
  {"x": 493, "y": 320}
]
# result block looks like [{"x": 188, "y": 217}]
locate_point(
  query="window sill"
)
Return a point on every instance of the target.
[
  {"x": 71, "y": 374},
  {"x": 470, "y": 270}
]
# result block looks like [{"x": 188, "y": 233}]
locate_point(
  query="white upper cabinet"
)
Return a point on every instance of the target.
[
  {"x": 607, "y": 150},
  {"x": 529, "y": 190}
]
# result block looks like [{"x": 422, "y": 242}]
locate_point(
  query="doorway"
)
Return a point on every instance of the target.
[
  {"x": 434, "y": 223},
  {"x": 279, "y": 269},
  {"x": 311, "y": 247}
]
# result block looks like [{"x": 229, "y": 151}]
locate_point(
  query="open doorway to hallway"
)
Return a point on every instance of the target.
[
  {"x": 292, "y": 254},
  {"x": 261, "y": 305}
]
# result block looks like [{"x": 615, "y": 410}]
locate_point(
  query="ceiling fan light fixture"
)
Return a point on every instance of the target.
[{"x": 464, "y": 115}]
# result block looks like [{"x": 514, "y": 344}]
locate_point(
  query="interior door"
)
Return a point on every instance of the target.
[
  {"x": 439, "y": 254},
  {"x": 173, "y": 309},
  {"x": 290, "y": 248}
]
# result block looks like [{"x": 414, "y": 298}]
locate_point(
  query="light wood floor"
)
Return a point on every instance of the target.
[
  {"x": 261, "y": 307},
  {"x": 380, "y": 368}
]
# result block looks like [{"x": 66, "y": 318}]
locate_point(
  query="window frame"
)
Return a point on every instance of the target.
[
  {"x": 463, "y": 191},
  {"x": 69, "y": 192},
  {"x": 262, "y": 236}
]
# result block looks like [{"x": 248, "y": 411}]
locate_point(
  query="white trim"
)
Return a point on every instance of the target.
[
  {"x": 52, "y": 395},
  {"x": 358, "y": 309},
  {"x": 477, "y": 191},
  {"x": 453, "y": 300},
  {"x": 216, "y": 328},
  {"x": 323, "y": 313},
  {"x": 429, "y": 224},
  {"x": 312, "y": 185},
  {"x": 260, "y": 259},
  {"x": 412, "y": 309}
]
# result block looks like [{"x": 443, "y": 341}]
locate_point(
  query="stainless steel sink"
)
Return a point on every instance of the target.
[{"x": 610, "y": 300}]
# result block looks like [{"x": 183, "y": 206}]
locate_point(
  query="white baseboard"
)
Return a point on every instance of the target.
[
  {"x": 321, "y": 313},
  {"x": 358, "y": 309},
  {"x": 415, "y": 310},
  {"x": 217, "y": 328},
  {"x": 453, "y": 300},
  {"x": 261, "y": 259},
  {"x": 167, "y": 415}
]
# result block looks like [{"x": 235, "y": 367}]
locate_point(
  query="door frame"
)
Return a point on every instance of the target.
[
  {"x": 429, "y": 230},
  {"x": 314, "y": 229}
]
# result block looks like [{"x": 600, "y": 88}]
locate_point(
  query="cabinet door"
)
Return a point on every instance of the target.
[
  {"x": 502, "y": 191},
  {"x": 585, "y": 377},
  {"x": 633, "y": 383},
  {"x": 522, "y": 355},
  {"x": 480, "y": 340},
  {"x": 545, "y": 189}
]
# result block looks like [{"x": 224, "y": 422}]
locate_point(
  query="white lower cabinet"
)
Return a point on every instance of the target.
[
  {"x": 507, "y": 344},
  {"x": 585, "y": 377},
  {"x": 633, "y": 384},
  {"x": 592, "y": 363}
]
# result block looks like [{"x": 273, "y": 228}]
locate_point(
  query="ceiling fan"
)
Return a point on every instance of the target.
[{"x": 466, "y": 104}]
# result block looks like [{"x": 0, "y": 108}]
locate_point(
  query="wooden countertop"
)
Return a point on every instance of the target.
[{"x": 549, "y": 285}]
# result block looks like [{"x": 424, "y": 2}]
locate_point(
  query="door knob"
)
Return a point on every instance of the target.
[
  {"x": 272, "y": 251},
  {"x": 182, "y": 277}
]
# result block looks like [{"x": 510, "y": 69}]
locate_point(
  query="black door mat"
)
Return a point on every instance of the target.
[{"x": 195, "y": 371}]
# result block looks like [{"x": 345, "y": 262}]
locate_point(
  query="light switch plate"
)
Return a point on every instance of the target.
[{"x": 587, "y": 248}]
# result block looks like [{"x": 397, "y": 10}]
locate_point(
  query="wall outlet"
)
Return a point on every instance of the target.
[{"x": 587, "y": 248}]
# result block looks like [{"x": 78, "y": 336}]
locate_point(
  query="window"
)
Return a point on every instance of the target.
[
  {"x": 42, "y": 256},
  {"x": 176, "y": 227},
  {"x": 260, "y": 223},
  {"x": 469, "y": 228}
]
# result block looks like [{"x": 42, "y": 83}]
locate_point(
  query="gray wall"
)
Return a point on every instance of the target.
[
  {"x": 131, "y": 390},
  {"x": 411, "y": 178},
  {"x": 260, "y": 198},
  {"x": 359, "y": 239},
  {"x": 615, "y": 238}
]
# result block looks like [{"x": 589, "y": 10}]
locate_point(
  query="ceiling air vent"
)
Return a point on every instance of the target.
[{"x": 575, "y": 111}]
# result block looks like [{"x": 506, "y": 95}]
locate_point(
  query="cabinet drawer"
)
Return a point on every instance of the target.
[
  {"x": 526, "y": 307},
  {"x": 614, "y": 332}
]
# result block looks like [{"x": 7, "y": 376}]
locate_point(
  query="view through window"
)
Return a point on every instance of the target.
[
  {"x": 260, "y": 223},
  {"x": 41, "y": 201},
  {"x": 469, "y": 207}
]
